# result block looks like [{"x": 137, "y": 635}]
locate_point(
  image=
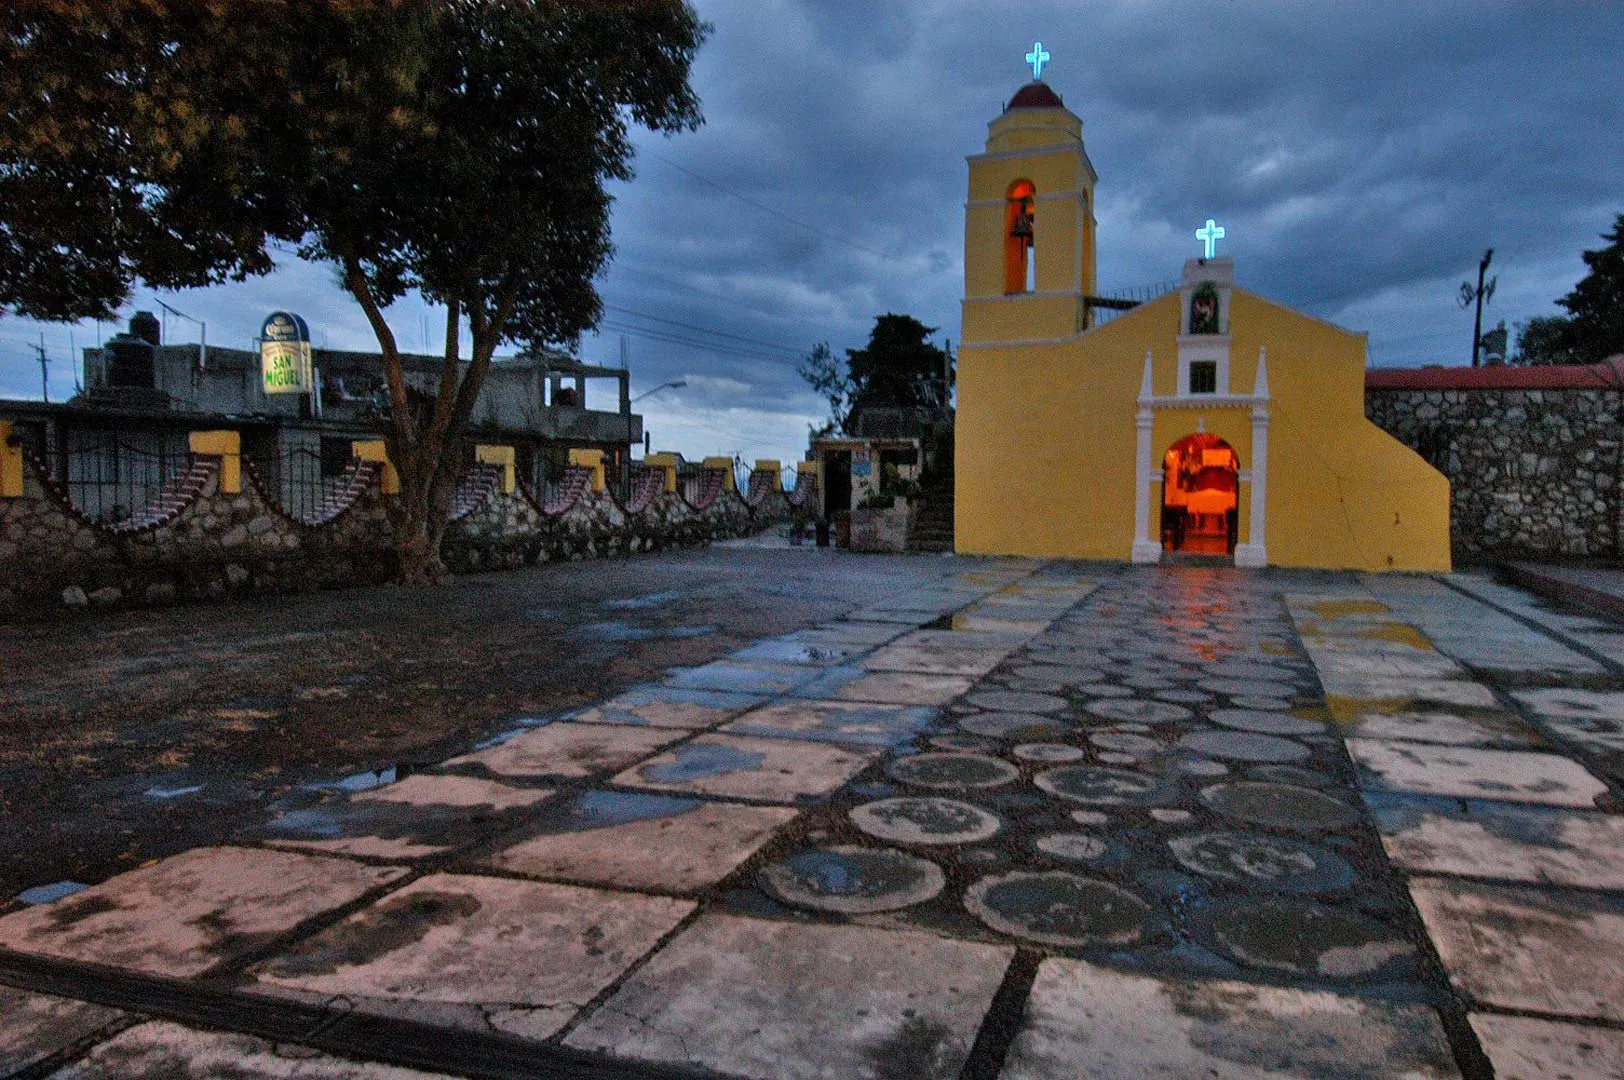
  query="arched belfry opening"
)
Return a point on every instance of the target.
[
  {"x": 1200, "y": 496},
  {"x": 1020, "y": 218}
]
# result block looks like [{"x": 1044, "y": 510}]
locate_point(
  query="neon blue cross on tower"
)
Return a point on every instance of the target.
[
  {"x": 1037, "y": 58},
  {"x": 1211, "y": 234}
]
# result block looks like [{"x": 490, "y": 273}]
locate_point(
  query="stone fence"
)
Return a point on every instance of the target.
[
  {"x": 217, "y": 529},
  {"x": 1533, "y": 455}
]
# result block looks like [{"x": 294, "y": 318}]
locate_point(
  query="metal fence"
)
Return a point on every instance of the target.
[
  {"x": 111, "y": 477},
  {"x": 302, "y": 478}
]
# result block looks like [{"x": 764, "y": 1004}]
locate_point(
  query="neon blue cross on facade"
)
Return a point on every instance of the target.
[
  {"x": 1037, "y": 58},
  {"x": 1210, "y": 234}
]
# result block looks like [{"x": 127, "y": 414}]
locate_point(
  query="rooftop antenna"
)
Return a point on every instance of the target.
[{"x": 203, "y": 332}]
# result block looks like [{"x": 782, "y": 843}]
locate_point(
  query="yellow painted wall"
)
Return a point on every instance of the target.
[
  {"x": 378, "y": 450},
  {"x": 590, "y": 459},
  {"x": 502, "y": 456},
  {"x": 11, "y": 464},
  {"x": 1046, "y": 444},
  {"x": 227, "y": 446}
]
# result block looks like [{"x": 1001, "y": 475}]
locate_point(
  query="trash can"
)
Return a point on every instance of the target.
[{"x": 822, "y": 527}]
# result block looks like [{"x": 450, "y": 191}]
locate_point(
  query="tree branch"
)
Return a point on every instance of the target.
[{"x": 355, "y": 282}]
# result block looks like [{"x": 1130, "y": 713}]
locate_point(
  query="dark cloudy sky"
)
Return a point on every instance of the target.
[{"x": 1361, "y": 156}]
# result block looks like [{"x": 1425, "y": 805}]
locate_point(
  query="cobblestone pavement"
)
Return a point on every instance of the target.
[{"x": 1027, "y": 820}]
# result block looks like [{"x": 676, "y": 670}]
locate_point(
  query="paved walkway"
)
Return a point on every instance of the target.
[{"x": 1031, "y": 821}]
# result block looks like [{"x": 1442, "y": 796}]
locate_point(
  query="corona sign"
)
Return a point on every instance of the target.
[{"x": 284, "y": 355}]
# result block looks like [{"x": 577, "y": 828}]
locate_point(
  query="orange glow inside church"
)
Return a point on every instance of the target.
[
  {"x": 1199, "y": 495},
  {"x": 1019, "y": 220}
]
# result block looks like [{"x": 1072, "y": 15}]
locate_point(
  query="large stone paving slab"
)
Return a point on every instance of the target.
[
  {"x": 182, "y": 916},
  {"x": 748, "y": 997},
  {"x": 421, "y": 816},
  {"x": 518, "y": 956},
  {"x": 856, "y": 683},
  {"x": 738, "y": 678},
  {"x": 1449, "y": 729},
  {"x": 860, "y": 723},
  {"x": 570, "y": 750},
  {"x": 165, "y": 1050},
  {"x": 1093, "y": 1023},
  {"x": 1471, "y": 773},
  {"x": 773, "y": 770},
  {"x": 668, "y": 706},
  {"x": 1592, "y": 718},
  {"x": 942, "y": 652},
  {"x": 1525, "y": 1049},
  {"x": 1520, "y": 948},
  {"x": 1513, "y": 843},
  {"x": 639, "y": 841},
  {"x": 35, "y": 1026}
]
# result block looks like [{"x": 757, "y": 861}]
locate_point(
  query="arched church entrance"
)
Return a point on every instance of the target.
[{"x": 1200, "y": 496}]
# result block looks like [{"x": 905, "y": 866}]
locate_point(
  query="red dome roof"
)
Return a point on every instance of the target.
[{"x": 1035, "y": 95}]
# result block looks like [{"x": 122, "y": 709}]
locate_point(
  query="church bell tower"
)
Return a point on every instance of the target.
[{"x": 1029, "y": 223}]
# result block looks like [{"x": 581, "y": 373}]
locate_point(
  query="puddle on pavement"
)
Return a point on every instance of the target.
[
  {"x": 624, "y": 631},
  {"x": 163, "y": 794},
  {"x": 606, "y": 809},
  {"x": 47, "y": 894},
  {"x": 1013, "y": 725},
  {"x": 365, "y": 780},
  {"x": 1279, "y": 806},
  {"x": 1059, "y": 908},
  {"x": 644, "y": 602},
  {"x": 699, "y": 761},
  {"x": 794, "y": 652},
  {"x": 1272, "y": 862},
  {"x": 1304, "y": 938},
  {"x": 852, "y": 880}
]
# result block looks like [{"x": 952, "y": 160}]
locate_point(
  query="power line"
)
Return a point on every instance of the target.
[
  {"x": 764, "y": 208},
  {"x": 703, "y": 329}
]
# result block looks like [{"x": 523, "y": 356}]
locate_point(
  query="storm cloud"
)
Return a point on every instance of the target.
[{"x": 1361, "y": 158}]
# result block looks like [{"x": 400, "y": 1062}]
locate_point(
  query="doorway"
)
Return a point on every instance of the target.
[
  {"x": 836, "y": 482},
  {"x": 1200, "y": 496}
]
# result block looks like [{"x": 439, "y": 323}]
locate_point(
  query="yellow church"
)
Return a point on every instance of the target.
[{"x": 1210, "y": 420}]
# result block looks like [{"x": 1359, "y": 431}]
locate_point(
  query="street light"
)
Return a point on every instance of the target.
[{"x": 674, "y": 384}]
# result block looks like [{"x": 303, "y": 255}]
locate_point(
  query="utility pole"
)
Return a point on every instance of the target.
[
  {"x": 44, "y": 381},
  {"x": 1481, "y": 293}
]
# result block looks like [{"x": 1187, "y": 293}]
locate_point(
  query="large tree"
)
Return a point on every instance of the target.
[
  {"x": 900, "y": 367},
  {"x": 1596, "y": 305},
  {"x": 455, "y": 147}
]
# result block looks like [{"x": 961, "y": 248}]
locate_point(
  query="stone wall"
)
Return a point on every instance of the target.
[
  {"x": 1534, "y": 470},
  {"x": 200, "y": 542}
]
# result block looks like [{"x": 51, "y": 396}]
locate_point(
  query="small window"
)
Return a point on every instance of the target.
[{"x": 1203, "y": 376}]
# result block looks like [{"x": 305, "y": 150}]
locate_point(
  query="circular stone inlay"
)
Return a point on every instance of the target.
[
  {"x": 1183, "y": 697},
  {"x": 1270, "y": 704},
  {"x": 1094, "y": 786},
  {"x": 1202, "y": 767},
  {"x": 952, "y": 771},
  {"x": 1243, "y": 746},
  {"x": 1048, "y": 752},
  {"x": 1072, "y": 846},
  {"x": 1012, "y": 725},
  {"x": 1247, "y": 687},
  {"x": 1124, "y": 741},
  {"x": 1305, "y": 938},
  {"x": 1251, "y": 859},
  {"x": 1058, "y": 908},
  {"x": 1266, "y": 723},
  {"x": 925, "y": 820},
  {"x": 852, "y": 880},
  {"x": 1146, "y": 712},
  {"x": 1017, "y": 701},
  {"x": 961, "y": 743},
  {"x": 1280, "y": 806},
  {"x": 1105, "y": 690}
]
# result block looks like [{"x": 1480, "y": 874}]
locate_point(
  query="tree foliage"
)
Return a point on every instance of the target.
[
  {"x": 900, "y": 367},
  {"x": 456, "y": 147},
  {"x": 829, "y": 379},
  {"x": 1593, "y": 328},
  {"x": 1596, "y": 305}
]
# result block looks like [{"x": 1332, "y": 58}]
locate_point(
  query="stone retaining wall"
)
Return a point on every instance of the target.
[
  {"x": 1532, "y": 471},
  {"x": 225, "y": 543}
]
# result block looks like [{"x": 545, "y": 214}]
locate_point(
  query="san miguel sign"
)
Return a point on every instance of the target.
[{"x": 284, "y": 355}]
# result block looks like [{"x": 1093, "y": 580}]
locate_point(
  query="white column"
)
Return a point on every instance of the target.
[
  {"x": 1145, "y": 549},
  {"x": 1255, "y": 551}
]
